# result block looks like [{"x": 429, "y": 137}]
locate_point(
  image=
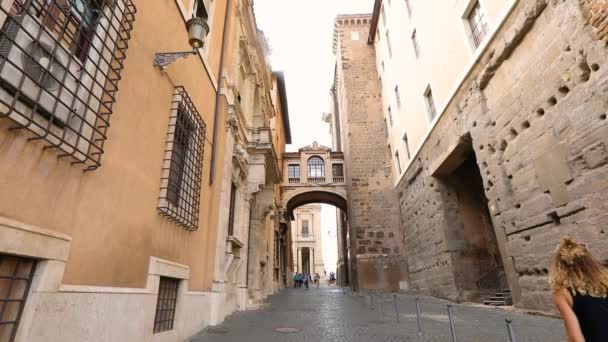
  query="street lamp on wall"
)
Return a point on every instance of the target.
[{"x": 197, "y": 31}]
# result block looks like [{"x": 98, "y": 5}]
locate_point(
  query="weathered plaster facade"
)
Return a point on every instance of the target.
[{"x": 529, "y": 122}]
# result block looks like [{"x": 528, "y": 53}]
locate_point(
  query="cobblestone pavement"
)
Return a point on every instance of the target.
[{"x": 329, "y": 314}]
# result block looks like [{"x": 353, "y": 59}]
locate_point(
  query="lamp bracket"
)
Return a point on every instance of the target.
[{"x": 163, "y": 59}]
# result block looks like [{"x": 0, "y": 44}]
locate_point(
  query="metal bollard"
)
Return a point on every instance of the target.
[
  {"x": 396, "y": 309},
  {"x": 452, "y": 329},
  {"x": 418, "y": 313},
  {"x": 512, "y": 337}
]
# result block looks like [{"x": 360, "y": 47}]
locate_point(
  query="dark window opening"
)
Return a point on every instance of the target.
[
  {"x": 305, "y": 231},
  {"x": 338, "y": 170},
  {"x": 166, "y": 304},
  {"x": 16, "y": 275},
  {"x": 232, "y": 208},
  {"x": 199, "y": 10}
]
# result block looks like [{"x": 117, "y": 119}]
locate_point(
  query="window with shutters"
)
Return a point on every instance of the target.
[
  {"x": 183, "y": 164},
  {"x": 60, "y": 63}
]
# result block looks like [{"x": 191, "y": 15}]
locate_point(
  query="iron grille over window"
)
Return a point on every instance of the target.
[
  {"x": 183, "y": 163},
  {"x": 479, "y": 26},
  {"x": 15, "y": 278},
  {"x": 60, "y": 63},
  {"x": 316, "y": 167},
  {"x": 166, "y": 304}
]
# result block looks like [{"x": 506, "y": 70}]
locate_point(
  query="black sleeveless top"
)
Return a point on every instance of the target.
[{"x": 592, "y": 314}]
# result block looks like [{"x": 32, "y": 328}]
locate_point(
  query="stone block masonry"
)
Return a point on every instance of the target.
[
  {"x": 531, "y": 117},
  {"x": 376, "y": 245}
]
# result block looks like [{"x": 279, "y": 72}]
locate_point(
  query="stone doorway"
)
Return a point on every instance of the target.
[{"x": 471, "y": 239}]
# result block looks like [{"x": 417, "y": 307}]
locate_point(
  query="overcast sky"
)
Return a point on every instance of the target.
[{"x": 300, "y": 35}]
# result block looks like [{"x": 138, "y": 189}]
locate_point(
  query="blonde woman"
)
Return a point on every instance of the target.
[{"x": 580, "y": 292}]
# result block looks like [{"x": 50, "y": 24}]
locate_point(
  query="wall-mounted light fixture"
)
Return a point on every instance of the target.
[{"x": 197, "y": 31}]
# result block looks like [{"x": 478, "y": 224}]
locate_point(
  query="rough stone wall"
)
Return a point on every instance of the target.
[
  {"x": 535, "y": 108},
  {"x": 373, "y": 210}
]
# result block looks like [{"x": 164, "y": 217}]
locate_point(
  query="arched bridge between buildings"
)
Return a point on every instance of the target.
[{"x": 314, "y": 174}]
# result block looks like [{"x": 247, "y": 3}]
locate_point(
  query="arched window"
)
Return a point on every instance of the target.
[{"x": 316, "y": 167}]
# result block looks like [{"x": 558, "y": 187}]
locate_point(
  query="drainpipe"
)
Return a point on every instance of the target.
[{"x": 216, "y": 115}]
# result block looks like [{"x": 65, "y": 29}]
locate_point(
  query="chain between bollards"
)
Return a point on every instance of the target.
[
  {"x": 452, "y": 329},
  {"x": 418, "y": 314},
  {"x": 512, "y": 337}
]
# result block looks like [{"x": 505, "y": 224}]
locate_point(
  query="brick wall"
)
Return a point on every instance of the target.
[{"x": 373, "y": 210}]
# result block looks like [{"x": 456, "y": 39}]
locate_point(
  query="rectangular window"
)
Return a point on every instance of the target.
[
  {"x": 415, "y": 44},
  {"x": 166, "y": 304},
  {"x": 293, "y": 172},
  {"x": 305, "y": 231},
  {"x": 406, "y": 145},
  {"x": 183, "y": 164},
  {"x": 338, "y": 170},
  {"x": 232, "y": 209},
  {"x": 16, "y": 275},
  {"x": 382, "y": 66},
  {"x": 408, "y": 6},
  {"x": 385, "y": 128},
  {"x": 60, "y": 64},
  {"x": 398, "y": 162},
  {"x": 478, "y": 24},
  {"x": 390, "y": 116},
  {"x": 397, "y": 96},
  {"x": 388, "y": 44},
  {"x": 430, "y": 103}
]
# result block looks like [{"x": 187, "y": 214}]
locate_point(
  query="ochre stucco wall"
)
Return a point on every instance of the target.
[{"x": 111, "y": 213}]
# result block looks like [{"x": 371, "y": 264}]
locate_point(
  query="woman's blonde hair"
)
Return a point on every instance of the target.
[{"x": 574, "y": 268}]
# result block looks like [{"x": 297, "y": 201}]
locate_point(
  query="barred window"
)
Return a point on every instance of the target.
[
  {"x": 166, "y": 304},
  {"x": 60, "y": 63},
  {"x": 183, "y": 163},
  {"x": 16, "y": 275}
]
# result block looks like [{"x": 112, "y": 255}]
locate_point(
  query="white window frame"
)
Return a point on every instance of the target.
[
  {"x": 398, "y": 162},
  {"x": 431, "y": 105},
  {"x": 466, "y": 13},
  {"x": 415, "y": 43}
]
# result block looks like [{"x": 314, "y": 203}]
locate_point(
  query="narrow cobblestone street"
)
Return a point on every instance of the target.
[{"x": 328, "y": 314}]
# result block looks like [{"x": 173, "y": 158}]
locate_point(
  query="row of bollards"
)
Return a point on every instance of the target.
[{"x": 372, "y": 301}]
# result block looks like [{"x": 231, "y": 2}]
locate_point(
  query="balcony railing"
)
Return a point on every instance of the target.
[
  {"x": 316, "y": 180},
  {"x": 294, "y": 180},
  {"x": 339, "y": 179}
]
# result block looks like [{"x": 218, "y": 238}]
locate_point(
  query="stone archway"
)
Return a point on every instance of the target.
[{"x": 296, "y": 198}]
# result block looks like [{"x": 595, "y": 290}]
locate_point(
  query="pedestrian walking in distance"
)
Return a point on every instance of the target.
[
  {"x": 317, "y": 279},
  {"x": 580, "y": 292},
  {"x": 306, "y": 279}
]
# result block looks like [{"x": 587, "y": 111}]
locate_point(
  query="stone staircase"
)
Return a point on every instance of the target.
[{"x": 500, "y": 298}]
